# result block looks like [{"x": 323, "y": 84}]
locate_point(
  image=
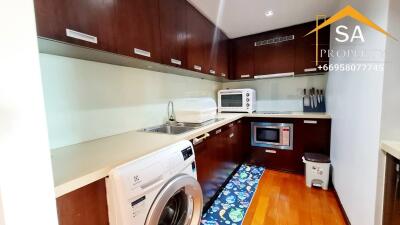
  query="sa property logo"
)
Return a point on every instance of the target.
[{"x": 343, "y": 33}]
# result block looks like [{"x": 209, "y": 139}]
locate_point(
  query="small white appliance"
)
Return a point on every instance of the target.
[
  {"x": 237, "y": 100},
  {"x": 160, "y": 188},
  {"x": 272, "y": 135},
  {"x": 195, "y": 110}
]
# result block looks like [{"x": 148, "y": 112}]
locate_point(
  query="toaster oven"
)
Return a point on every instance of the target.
[{"x": 237, "y": 100}]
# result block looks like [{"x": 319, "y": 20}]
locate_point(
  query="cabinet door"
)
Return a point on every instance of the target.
[
  {"x": 173, "y": 32},
  {"x": 235, "y": 143},
  {"x": 242, "y": 63},
  {"x": 205, "y": 165},
  {"x": 138, "y": 29},
  {"x": 222, "y": 59},
  {"x": 211, "y": 38},
  {"x": 229, "y": 137},
  {"x": 313, "y": 135},
  {"x": 391, "y": 204},
  {"x": 86, "y": 205},
  {"x": 306, "y": 48},
  {"x": 82, "y": 22},
  {"x": 195, "y": 53},
  {"x": 276, "y": 55}
]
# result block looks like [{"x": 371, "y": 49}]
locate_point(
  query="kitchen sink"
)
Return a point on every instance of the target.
[
  {"x": 178, "y": 128},
  {"x": 169, "y": 129}
]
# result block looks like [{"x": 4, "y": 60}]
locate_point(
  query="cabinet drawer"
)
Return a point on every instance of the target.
[{"x": 285, "y": 160}]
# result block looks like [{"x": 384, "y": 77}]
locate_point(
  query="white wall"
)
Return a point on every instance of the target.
[
  {"x": 88, "y": 100},
  {"x": 26, "y": 181},
  {"x": 355, "y": 101},
  {"x": 390, "y": 127},
  {"x": 391, "y": 83},
  {"x": 281, "y": 94}
]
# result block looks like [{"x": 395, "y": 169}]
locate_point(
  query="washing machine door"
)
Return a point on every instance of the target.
[{"x": 180, "y": 202}]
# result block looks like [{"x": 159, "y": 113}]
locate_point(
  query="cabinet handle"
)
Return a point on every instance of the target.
[
  {"x": 310, "y": 70},
  {"x": 274, "y": 75},
  {"x": 200, "y": 139},
  {"x": 245, "y": 76},
  {"x": 223, "y": 75},
  {"x": 239, "y": 121},
  {"x": 397, "y": 188},
  {"x": 218, "y": 131},
  {"x": 310, "y": 122},
  {"x": 231, "y": 125},
  {"x": 270, "y": 151},
  {"x": 176, "y": 62},
  {"x": 142, "y": 52},
  {"x": 196, "y": 67},
  {"x": 231, "y": 135},
  {"x": 212, "y": 72},
  {"x": 80, "y": 36}
]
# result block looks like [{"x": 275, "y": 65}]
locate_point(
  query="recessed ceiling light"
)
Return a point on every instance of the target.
[{"x": 269, "y": 13}]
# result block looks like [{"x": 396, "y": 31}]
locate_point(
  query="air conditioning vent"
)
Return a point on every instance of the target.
[{"x": 274, "y": 40}]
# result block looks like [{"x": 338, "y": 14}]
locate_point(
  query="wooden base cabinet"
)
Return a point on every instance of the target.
[
  {"x": 391, "y": 205},
  {"x": 309, "y": 135},
  {"x": 217, "y": 157},
  {"x": 85, "y": 206}
]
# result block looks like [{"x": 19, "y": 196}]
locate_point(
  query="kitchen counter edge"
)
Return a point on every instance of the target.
[
  {"x": 391, "y": 147},
  {"x": 69, "y": 177}
]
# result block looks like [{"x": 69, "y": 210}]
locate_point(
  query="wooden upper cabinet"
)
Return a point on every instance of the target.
[
  {"x": 306, "y": 48},
  {"x": 211, "y": 39},
  {"x": 82, "y": 22},
  {"x": 195, "y": 53},
  {"x": 223, "y": 53},
  {"x": 242, "y": 58},
  {"x": 275, "y": 52},
  {"x": 138, "y": 29},
  {"x": 173, "y": 32}
]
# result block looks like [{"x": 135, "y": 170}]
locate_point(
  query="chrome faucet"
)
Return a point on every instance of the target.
[{"x": 171, "y": 113}]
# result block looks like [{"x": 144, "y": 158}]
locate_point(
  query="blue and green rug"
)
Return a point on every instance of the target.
[{"x": 231, "y": 205}]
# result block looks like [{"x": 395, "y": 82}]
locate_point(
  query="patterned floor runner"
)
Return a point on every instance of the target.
[{"x": 231, "y": 205}]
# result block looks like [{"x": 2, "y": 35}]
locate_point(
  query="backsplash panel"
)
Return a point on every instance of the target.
[
  {"x": 89, "y": 100},
  {"x": 281, "y": 94}
]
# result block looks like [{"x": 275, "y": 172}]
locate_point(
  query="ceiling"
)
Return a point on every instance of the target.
[{"x": 244, "y": 17}]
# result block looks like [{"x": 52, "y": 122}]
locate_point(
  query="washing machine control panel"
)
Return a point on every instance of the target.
[{"x": 187, "y": 153}]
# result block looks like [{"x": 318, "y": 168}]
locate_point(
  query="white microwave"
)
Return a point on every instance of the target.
[{"x": 237, "y": 100}]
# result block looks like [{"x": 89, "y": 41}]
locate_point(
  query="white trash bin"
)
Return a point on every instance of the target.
[{"x": 317, "y": 170}]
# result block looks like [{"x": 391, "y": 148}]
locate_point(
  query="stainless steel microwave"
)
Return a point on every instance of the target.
[
  {"x": 237, "y": 100},
  {"x": 272, "y": 135}
]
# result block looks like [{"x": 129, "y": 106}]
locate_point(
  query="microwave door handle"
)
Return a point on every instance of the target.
[
  {"x": 231, "y": 93},
  {"x": 269, "y": 127}
]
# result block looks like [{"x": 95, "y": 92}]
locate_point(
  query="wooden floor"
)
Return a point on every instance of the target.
[{"x": 283, "y": 199}]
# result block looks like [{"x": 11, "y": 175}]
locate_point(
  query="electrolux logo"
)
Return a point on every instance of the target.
[{"x": 345, "y": 34}]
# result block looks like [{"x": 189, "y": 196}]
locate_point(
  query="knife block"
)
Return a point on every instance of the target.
[{"x": 320, "y": 107}]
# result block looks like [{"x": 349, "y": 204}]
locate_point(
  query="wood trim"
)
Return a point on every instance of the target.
[{"x": 346, "y": 218}]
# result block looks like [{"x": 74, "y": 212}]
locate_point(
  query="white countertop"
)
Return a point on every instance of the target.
[
  {"x": 78, "y": 165},
  {"x": 391, "y": 147}
]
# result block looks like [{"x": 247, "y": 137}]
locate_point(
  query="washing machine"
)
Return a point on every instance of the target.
[{"x": 158, "y": 189}]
